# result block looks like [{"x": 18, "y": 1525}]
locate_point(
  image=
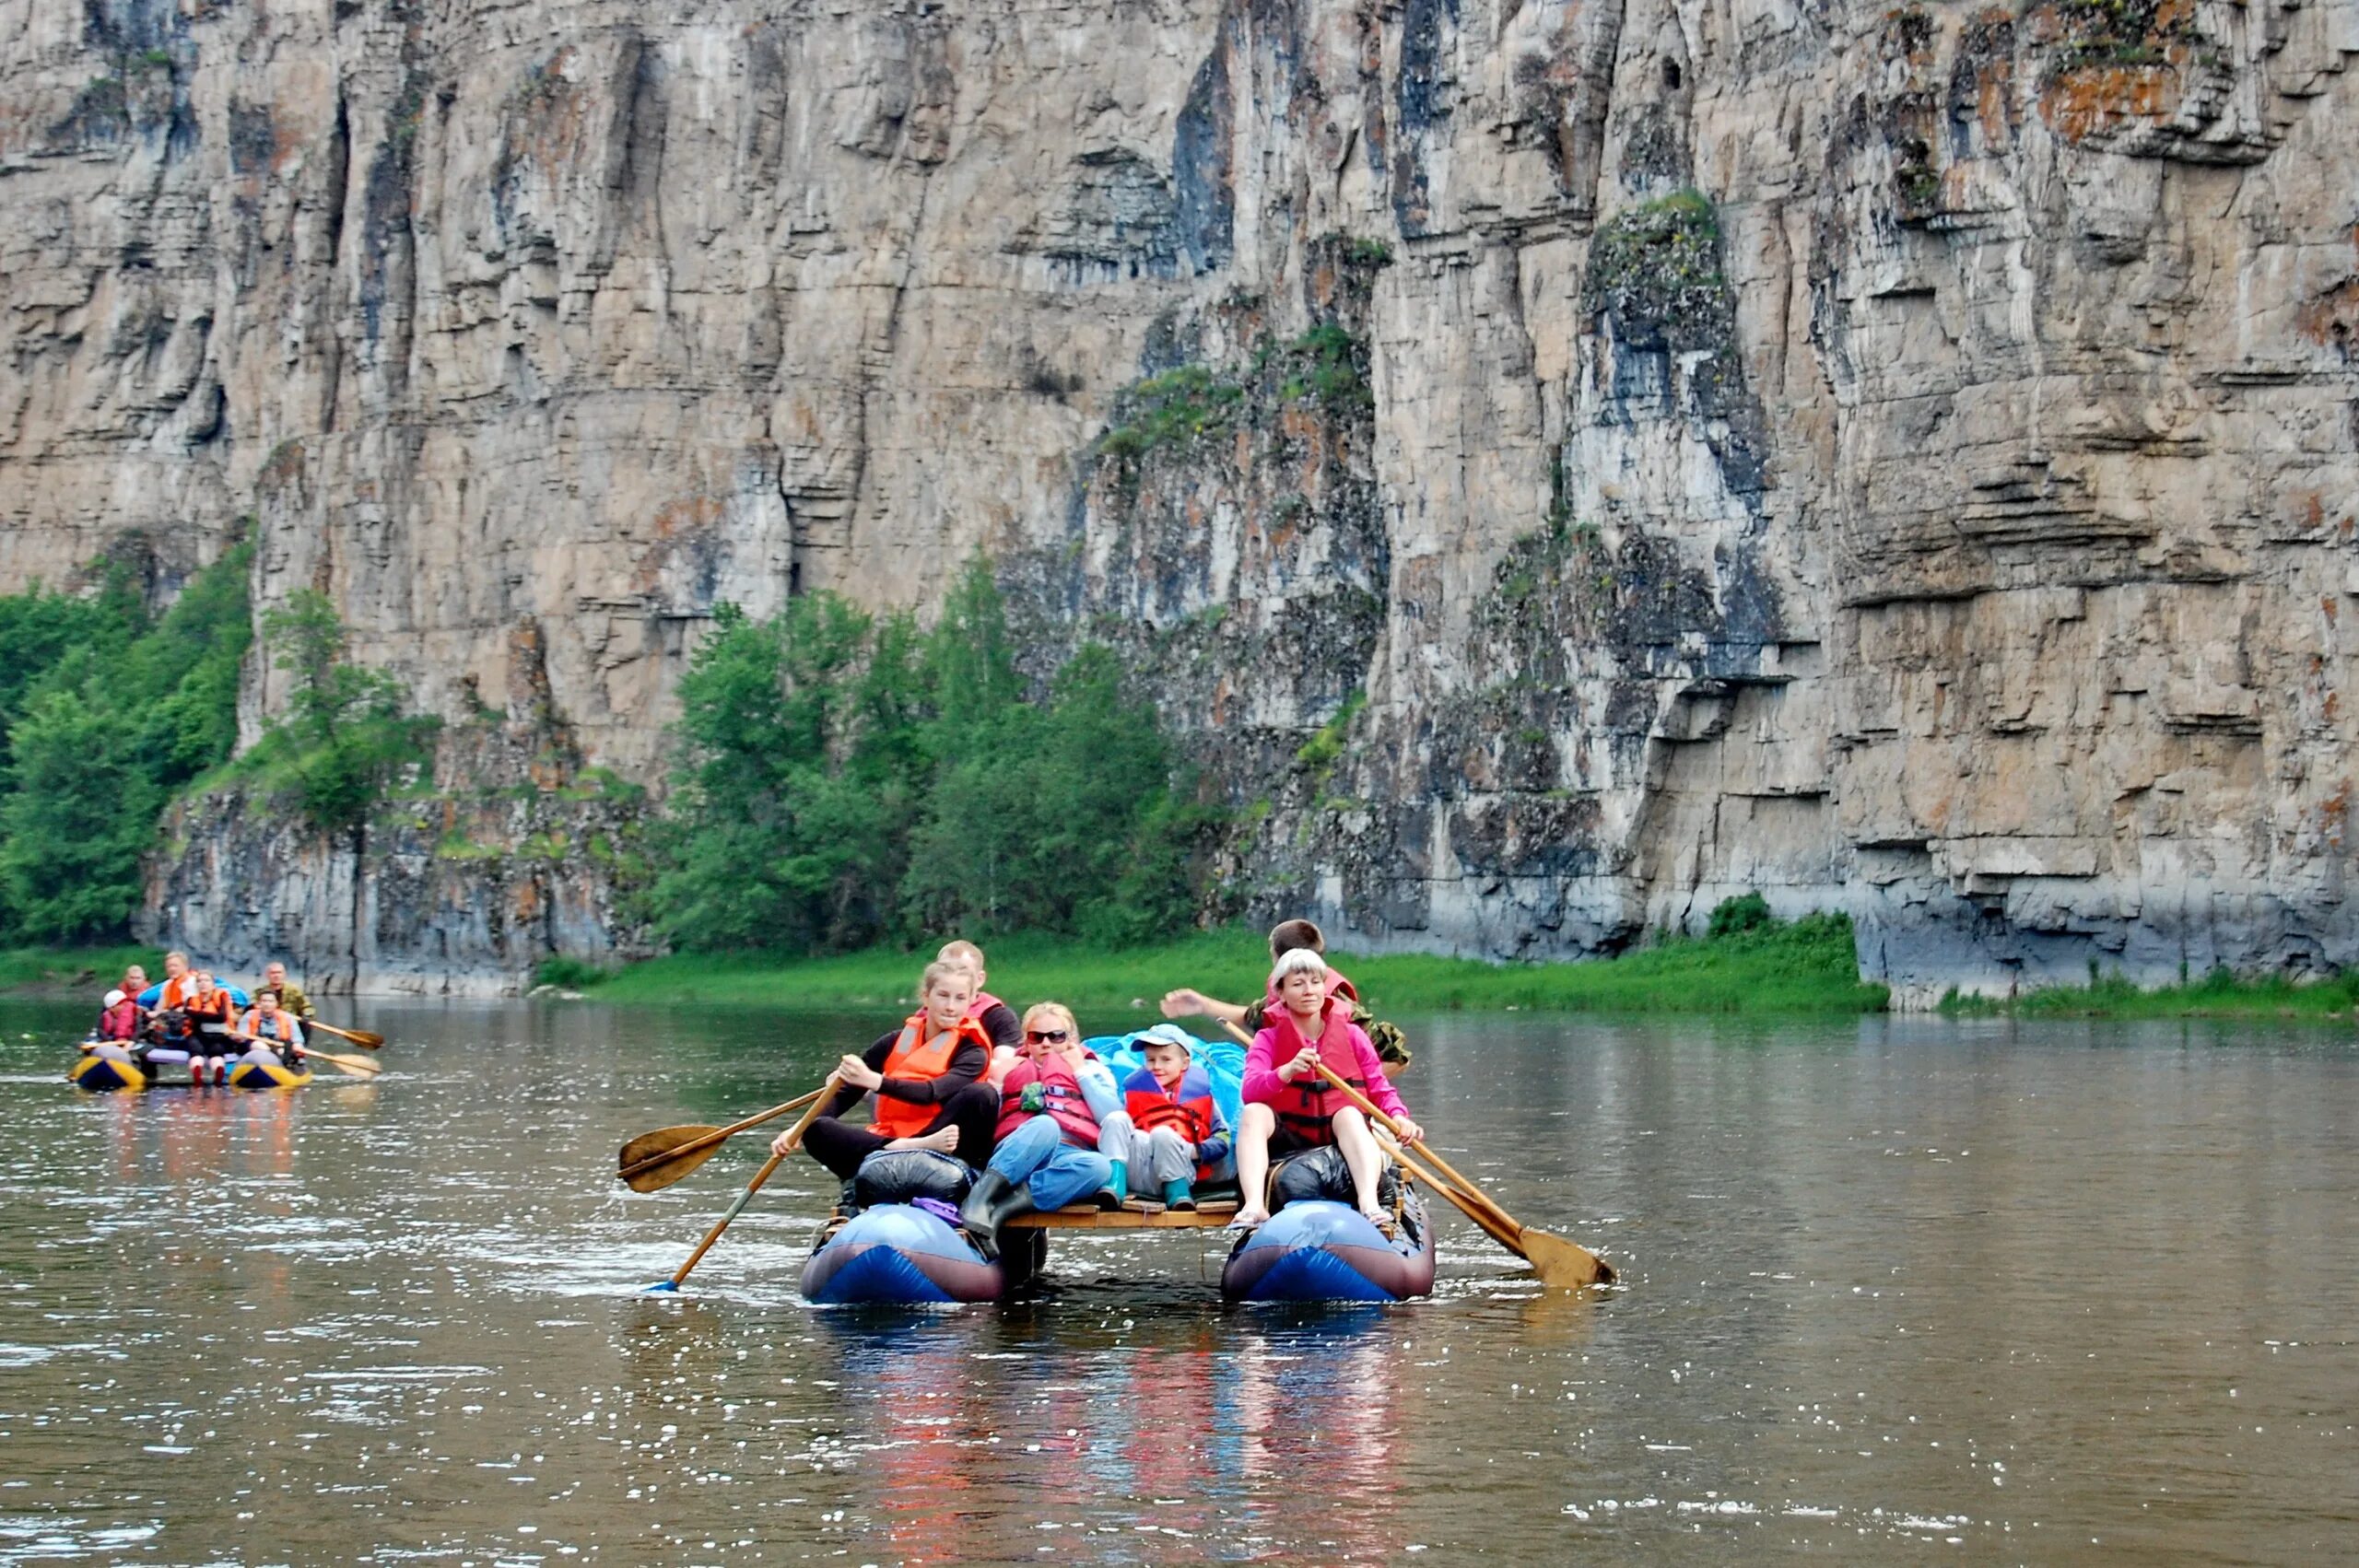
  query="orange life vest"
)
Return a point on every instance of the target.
[
  {"x": 1308, "y": 1106},
  {"x": 913, "y": 1056},
  {"x": 178, "y": 991}
]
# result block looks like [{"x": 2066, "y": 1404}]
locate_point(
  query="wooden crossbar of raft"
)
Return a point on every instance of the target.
[{"x": 1088, "y": 1217}]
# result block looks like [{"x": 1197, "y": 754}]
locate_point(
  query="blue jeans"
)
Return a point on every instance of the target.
[{"x": 1037, "y": 1155}]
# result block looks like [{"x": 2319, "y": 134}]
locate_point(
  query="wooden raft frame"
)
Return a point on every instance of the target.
[{"x": 1088, "y": 1217}]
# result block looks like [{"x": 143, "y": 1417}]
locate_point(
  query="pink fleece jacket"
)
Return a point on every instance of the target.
[{"x": 1264, "y": 1087}]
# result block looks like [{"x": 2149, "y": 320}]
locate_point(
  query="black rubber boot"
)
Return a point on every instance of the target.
[{"x": 993, "y": 1202}]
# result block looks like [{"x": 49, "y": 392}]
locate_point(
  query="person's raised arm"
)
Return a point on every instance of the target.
[{"x": 1189, "y": 1004}]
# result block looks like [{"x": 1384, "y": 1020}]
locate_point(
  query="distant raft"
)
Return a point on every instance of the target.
[
  {"x": 1318, "y": 1251},
  {"x": 899, "y": 1255}
]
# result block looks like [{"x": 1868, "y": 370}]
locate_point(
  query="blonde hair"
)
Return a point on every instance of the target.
[
  {"x": 1052, "y": 1009},
  {"x": 941, "y": 969},
  {"x": 1295, "y": 961},
  {"x": 961, "y": 953}
]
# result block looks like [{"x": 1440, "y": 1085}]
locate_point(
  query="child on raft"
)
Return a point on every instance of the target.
[
  {"x": 1059, "y": 1115},
  {"x": 1289, "y": 1107},
  {"x": 1178, "y": 1134},
  {"x": 927, "y": 1077},
  {"x": 268, "y": 1030}
]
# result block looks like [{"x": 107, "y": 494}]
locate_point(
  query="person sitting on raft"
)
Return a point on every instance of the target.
[
  {"x": 1178, "y": 1134},
  {"x": 998, "y": 1019},
  {"x": 927, "y": 1077},
  {"x": 214, "y": 1012},
  {"x": 166, "y": 1004},
  {"x": 118, "y": 1019},
  {"x": 1392, "y": 1045},
  {"x": 268, "y": 1029},
  {"x": 1053, "y": 1109},
  {"x": 291, "y": 999},
  {"x": 1289, "y": 1107}
]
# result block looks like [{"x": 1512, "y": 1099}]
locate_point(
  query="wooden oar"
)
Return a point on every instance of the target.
[
  {"x": 653, "y": 1161},
  {"x": 1558, "y": 1262},
  {"x": 359, "y": 1066},
  {"x": 793, "y": 1140},
  {"x": 366, "y": 1040}
]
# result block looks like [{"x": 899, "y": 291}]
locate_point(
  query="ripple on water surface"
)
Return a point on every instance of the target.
[{"x": 2034, "y": 1293}]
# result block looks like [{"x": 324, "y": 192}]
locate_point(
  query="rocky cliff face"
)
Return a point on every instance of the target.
[{"x": 1564, "y": 463}]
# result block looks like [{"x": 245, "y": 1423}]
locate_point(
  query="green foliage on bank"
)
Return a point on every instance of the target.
[
  {"x": 2220, "y": 994},
  {"x": 845, "y": 779},
  {"x": 84, "y": 968},
  {"x": 1797, "y": 968},
  {"x": 107, "y": 710}
]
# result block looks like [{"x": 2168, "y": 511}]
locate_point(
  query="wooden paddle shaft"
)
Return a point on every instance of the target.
[
  {"x": 793, "y": 1140},
  {"x": 1367, "y": 1107},
  {"x": 1512, "y": 1240},
  {"x": 719, "y": 1134}
]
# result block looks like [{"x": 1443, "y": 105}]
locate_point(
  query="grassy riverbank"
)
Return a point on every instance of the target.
[
  {"x": 66, "y": 968},
  {"x": 1802, "y": 969},
  {"x": 2218, "y": 995}
]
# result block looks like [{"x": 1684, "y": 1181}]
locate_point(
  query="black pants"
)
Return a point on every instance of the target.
[{"x": 974, "y": 1110}]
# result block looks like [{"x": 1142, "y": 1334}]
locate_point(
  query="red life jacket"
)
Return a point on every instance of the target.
[
  {"x": 913, "y": 1056},
  {"x": 119, "y": 1022},
  {"x": 1062, "y": 1085},
  {"x": 1307, "y": 1107},
  {"x": 1185, "y": 1109},
  {"x": 984, "y": 1001}
]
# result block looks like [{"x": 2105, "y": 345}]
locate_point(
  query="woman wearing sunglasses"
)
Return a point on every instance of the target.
[{"x": 1058, "y": 1108}]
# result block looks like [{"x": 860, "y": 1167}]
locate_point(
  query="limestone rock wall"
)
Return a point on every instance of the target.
[{"x": 1900, "y": 459}]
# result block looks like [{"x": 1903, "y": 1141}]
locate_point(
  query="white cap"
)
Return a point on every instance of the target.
[
  {"x": 1168, "y": 1034},
  {"x": 115, "y": 999}
]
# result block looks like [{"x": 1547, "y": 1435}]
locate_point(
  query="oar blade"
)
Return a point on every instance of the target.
[
  {"x": 359, "y": 1066},
  {"x": 657, "y": 1176},
  {"x": 663, "y": 1141},
  {"x": 1561, "y": 1264}
]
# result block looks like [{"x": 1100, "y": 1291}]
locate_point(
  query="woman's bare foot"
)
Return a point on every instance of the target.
[
  {"x": 1380, "y": 1220},
  {"x": 944, "y": 1141},
  {"x": 1247, "y": 1219}
]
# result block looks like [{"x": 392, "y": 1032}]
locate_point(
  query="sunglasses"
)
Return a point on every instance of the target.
[{"x": 1047, "y": 1036}]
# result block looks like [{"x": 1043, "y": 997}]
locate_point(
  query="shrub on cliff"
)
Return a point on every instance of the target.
[
  {"x": 106, "y": 711},
  {"x": 345, "y": 735},
  {"x": 843, "y": 779}
]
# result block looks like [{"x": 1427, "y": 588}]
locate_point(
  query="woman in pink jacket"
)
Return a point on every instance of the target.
[{"x": 1290, "y": 1107}]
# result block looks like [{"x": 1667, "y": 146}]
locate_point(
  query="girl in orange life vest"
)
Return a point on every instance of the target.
[
  {"x": 927, "y": 1077},
  {"x": 214, "y": 1012},
  {"x": 1289, "y": 1107}
]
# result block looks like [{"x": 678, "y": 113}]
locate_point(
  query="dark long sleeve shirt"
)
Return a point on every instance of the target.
[{"x": 967, "y": 1064}]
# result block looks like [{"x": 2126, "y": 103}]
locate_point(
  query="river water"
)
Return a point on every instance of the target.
[{"x": 1892, "y": 1290}]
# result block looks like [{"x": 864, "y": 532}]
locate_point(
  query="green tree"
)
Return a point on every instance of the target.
[
  {"x": 81, "y": 808},
  {"x": 795, "y": 777},
  {"x": 105, "y": 714}
]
